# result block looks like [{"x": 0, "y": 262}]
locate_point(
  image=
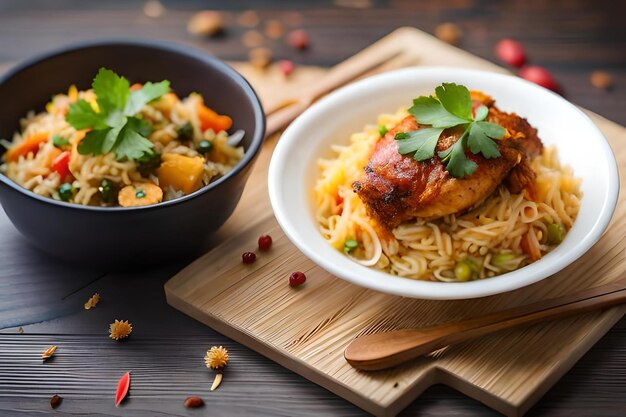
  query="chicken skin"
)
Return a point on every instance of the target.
[{"x": 396, "y": 188}]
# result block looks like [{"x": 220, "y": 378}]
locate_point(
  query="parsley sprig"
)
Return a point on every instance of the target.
[
  {"x": 452, "y": 106},
  {"x": 114, "y": 126}
]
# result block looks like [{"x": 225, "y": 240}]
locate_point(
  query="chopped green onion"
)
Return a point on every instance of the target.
[
  {"x": 59, "y": 141},
  {"x": 464, "y": 269},
  {"x": 140, "y": 193},
  {"x": 501, "y": 259},
  {"x": 350, "y": 245},
  {"x": 382, "y": 130},
  {"x": 204, "y": 146},
  {"x": 185, "y": 131},
  {"x": 66, "y": 191},
  {"x": 556, "y": 233}
]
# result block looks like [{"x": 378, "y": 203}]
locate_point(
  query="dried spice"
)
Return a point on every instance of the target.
[
  {"x": 49, "y": 352},
  {"x": 252, "y": 39},
  {"x": 193, "y": 402},
  {"x": 153, "y": 8},
  {"x": 601, "y": 80},
  {"x": 449, "y": 33},
  {"x": 122, "y": 388},
  {"x": 248, "y": 19},
  {"x": 55, "y": 401},
  {"x": 92, "y": 302},
  {"x": 286, "y": 67},
  {"x": 298, "y": 39},
  {"x": 260, "y": 57},
  {"x": 206, "y": 23},
  {"x": 216, "y": 358},
  {"x": 20, "y": 330},
  {"x": 120, "y": 329},
  {"x": 511, "y": 52},
  {"x": 274, "y": 29}
]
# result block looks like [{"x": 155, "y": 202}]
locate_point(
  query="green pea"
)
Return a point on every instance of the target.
[
  {"x": 556, "y": 233},
  {"x": 140, "y": 193},
  {"x": 185, "y": 131},
  {"x": 59, "y": 141},
  {"x": 204, "y": 146},
  {"x": 66, "y": 191},
  {"x": 106, "y": 191},
  {"x": 463, "y": 270},
  {"x": 349, "y": 245},
  {"x": 382, "y": 130},
  {"x": 501, "y": 259}
]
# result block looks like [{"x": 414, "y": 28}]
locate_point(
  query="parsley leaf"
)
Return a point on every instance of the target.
[
  {"x": 82, "y": 116},
  {"x": 114, "y": 127},
  {"x": 422, "y": 142},
  {"x": 451, "y": 107},
  {"x": 143, "y": 96}
]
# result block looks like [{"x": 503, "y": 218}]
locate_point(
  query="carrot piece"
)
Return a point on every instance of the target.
[
  {"x": 529, "y": 246},
  {"x": 136, "y": 86},
  {"x": 28, "y": 145},
  {"x": 209, "y": 119}
]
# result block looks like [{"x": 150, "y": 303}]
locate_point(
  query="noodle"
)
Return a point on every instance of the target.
[{"x": 490, "y": 236}]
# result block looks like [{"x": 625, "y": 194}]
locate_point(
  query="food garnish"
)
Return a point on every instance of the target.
[
  {"x": 92, "y": 302},
  {"x": 265, "y": 242},
  {"x": 55, "y": 401},
  {"x": 298, "y": 39},
  {"x": 601, "y": 80},
  {"x": 122, "y": 388},
  {"x": 113, "y": 124},
  {"x": 539, "y": 76},
  {"x": 193, "y": 402},
  {"x": 382, "y": 130},
  {"x": 349, "y": 245},
  {"x": 49, "y": 352},
  {"x": 296, "y": 279},
  {"x": 216, "y": 358},
  {"x": 511, "y": 52},
  {"x": 451, "y": 107},
  {"x": 449, "y": 33},
  {"x": 248, "y": 257},
  {"x": 120, "y": 329},
  {"x": 286, "y": 67},
  {"x": 20, "y": 330}
]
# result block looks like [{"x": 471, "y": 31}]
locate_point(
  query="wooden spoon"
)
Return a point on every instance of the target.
[{"x": 385, "y": 350}]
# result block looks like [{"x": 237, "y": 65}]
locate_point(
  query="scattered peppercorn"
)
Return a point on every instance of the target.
[
  {"x": 286, "y": 67},
  {"x": 511, "y": 52},
  {"x": 205, "y": 146},
  {"x": 296, "y": 279},
  {"x": 66, "y": 191},
  {"x": 248, "y": 257},
  {"x": 265, "y": 242},
  {"x": 449, "y": 33},
  {"x": 601, "y": 79},
  {"x": 55, "y": 401},
  {"x": 193, "y": 402},
  {"x": 298, "y": 39}
]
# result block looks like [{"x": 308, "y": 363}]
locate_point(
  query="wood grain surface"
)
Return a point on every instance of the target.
[{"x": 571, "y": 38}]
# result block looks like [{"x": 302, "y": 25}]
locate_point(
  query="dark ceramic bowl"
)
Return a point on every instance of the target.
[{"x": 118, "y": 236}]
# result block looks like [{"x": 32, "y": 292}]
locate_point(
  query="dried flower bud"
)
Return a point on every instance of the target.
[
  {"x": 120, "y": 329},
  {"x": 206, "y": 23},
  {"x": 449, "y": 33}
]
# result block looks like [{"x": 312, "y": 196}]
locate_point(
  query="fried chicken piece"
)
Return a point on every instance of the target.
[{"x": 396, "y": 188}]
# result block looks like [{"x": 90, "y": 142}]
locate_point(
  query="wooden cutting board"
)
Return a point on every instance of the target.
[{"x": 306, "y": 329}]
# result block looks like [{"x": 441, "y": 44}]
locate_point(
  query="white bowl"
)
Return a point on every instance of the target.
[{"x": 293, "y": 171}]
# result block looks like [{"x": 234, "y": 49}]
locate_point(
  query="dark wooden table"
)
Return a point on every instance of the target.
[{"x": 45, "y": 297}]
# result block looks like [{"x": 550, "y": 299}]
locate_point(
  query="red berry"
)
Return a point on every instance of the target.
[
  {"x": 297, "y": 278},
  {"x": 540, "y": 76},
  {"x": 511, "y": 52},
  {"x": 248, "y": 257},
  {"x": 298, "y": 39},
  {"x": 286, "y": 67},
  {"x": 265, "y": 242}
]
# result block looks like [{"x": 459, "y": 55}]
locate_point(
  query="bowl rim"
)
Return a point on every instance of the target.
[
  {"x": 256, "y": 142},
  {"x": 364, "y": 276}
]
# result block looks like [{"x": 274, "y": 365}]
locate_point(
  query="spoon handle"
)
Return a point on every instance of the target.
[{"x": 385, "y": 350}]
